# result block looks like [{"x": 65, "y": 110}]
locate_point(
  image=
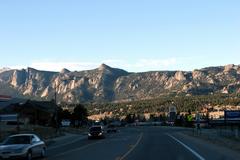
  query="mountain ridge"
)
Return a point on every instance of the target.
[{"x": 107, "y": 84}]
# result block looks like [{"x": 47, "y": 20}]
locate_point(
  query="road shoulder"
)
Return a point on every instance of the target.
[{"x": 208, "y": 149}]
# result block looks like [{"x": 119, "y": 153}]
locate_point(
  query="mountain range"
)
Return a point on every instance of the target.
[{"x": 107, "y": 84}]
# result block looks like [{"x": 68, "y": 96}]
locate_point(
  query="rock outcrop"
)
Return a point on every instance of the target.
[{"x": 105, "y": 84}]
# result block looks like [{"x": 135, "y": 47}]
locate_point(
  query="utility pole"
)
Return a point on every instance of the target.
[{"x": 56, "y": 109}]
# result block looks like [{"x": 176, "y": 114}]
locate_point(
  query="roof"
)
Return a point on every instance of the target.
[
  {"x": 27, "y": 134},
  {"x": 6, "y": 103},
  {"x": 48, "y": 106}
]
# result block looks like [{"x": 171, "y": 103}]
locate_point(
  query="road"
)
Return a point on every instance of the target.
[{"x": 140, "y": 143}]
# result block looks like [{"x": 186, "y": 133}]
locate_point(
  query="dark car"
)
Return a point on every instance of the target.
[
  {"x": 96, "y": 132},
  {"x": 111, "y": 128},
  {"x": 24, "y": 146}
]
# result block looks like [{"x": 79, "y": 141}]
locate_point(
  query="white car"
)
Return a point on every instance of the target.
[{"x": 24, "y": 146}]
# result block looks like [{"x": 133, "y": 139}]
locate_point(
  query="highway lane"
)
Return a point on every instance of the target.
[
  {"x": 156, "y": 144},
  {"x": 139, "y": 143},
  {"x": 110, "y": 148}
]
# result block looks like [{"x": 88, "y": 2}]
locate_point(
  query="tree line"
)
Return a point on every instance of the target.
[
  {"x": 78, "y": 117},
  {"x": 183, "y": 103}
]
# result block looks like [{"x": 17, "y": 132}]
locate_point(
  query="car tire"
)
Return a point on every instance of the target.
[
  {"x": 29, "y": 155},
  {"x": 43, "y": 153}
]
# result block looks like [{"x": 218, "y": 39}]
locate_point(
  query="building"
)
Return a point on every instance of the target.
[{"x": 29, "y": 111}]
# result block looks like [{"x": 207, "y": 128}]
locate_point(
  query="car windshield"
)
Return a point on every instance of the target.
[
  {"x": 95, "y": 129},
  {"x": 18, "y": 140}
]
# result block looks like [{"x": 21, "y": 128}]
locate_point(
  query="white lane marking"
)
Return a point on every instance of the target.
[
  {"x": 188, "y": 148},
  {"x": 64, "y": 144},
  {"x": 132, "y": 148}
]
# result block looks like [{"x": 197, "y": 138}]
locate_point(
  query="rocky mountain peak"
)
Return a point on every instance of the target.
[
  {"x": 197, "y": 74},
  {"x": 64, "y": 71},
  {"x": 104, "y": 67},
  {"x": 179, "y": 75},
  {"x": 228, "y": 67},
  {"x": 112, "y": 84},
  {"x": 4, "y": 69},
  {"x": 31, "y": 70}
]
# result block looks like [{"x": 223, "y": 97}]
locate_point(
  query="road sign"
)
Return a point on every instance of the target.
[
  {"x": 232, "y": 115},
  {"x": 172, "y": 113},
  {"x": 172, "y": 109},
  {"x": 8, "y": 118},
  {"x": 65, "y": 123}
]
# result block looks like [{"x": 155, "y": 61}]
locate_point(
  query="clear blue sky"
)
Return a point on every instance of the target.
[{"x": 136, "y": 35}]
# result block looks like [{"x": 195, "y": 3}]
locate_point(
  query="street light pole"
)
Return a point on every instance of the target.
[
  {"x": 55, "y": 96},
  {"x": 56, "y": 108}
]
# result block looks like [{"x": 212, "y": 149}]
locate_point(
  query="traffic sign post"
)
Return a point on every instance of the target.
[{"x": 172, "y": 113}]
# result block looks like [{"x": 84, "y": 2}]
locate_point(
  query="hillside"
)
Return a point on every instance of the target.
[{"x": 107, "y": 84}]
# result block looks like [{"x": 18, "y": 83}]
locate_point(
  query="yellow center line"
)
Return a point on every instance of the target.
[{"x": 132, "y": 147}]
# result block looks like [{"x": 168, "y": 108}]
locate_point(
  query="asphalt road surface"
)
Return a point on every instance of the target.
[{"x": 141, "y": 143}]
